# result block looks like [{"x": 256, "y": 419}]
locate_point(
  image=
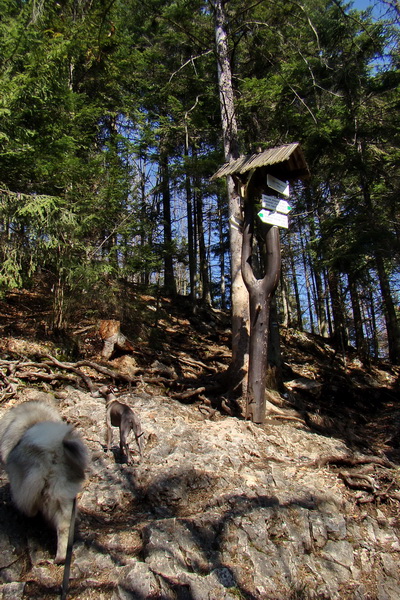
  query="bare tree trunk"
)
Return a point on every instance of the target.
[
  {"x": 358, "y": 320},
  {"x": 392, "y": 324},
  {"x": 338, "y": 311},
  {"x": 58, "y": 312},
  {"x": 144, "y": 274},
  {"x": 203, "y": 263},
  {"x": 369, "y": 309},
  {"x": 320, "y": 306},
  {"x": 308, "y": 286},
  {"x": 286, "y": 312},
  {"x": 296, "y": 288},
  {"x": 240, "y": 300},
  {"x": 169, "y": 278},
  {"x": 189, "y": 208},
  {"x": 222, "y": 256}
]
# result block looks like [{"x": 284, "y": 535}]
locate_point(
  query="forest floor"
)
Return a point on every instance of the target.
[
  {"x": 186, "y": 355},
  {"x": 218, "y": 508}
]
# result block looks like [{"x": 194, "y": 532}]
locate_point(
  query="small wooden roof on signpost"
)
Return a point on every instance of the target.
[{"x": 289, "y": 157}]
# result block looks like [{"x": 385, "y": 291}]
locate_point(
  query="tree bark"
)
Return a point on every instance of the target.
[
  {"x": 340, "y": 337},
  {"x": 203, "y": 262},
  {"x": 189, "y": 208},
  {"x": 169, "y": 278},
  {"x": 392, "y": 324},
  {"x": 239, "y": 296},
  {"x": 295, "y": 288},
  {"x": 361, "y": 345}
]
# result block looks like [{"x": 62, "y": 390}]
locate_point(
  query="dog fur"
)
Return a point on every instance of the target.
[
  {"x": 122, "y": 416},
  {"x": 45, "y": 460}
]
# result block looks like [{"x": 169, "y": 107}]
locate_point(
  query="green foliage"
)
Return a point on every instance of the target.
[
  {"x": 10, "y": 271},
  {"x": 92, "y": 94}
]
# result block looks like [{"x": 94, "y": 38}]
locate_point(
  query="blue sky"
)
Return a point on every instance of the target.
[
  {"x": 379, "y": 7},
  {"x": 361, "y": 4}
]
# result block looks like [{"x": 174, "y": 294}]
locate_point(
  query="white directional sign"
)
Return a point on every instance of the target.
[
  {"x": 274, "y": 218},
  {"x": 276, "y": 204},
  {"x": 279, "y": 186}
]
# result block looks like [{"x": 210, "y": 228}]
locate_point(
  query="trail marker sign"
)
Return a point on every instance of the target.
[
  {"x": 276, "y": 204},
  {"x": 279, "y": 186},
  {"x": 274, "y": 218}
]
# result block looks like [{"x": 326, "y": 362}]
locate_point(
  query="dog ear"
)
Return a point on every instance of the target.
[{"x": 76, "y": 456}]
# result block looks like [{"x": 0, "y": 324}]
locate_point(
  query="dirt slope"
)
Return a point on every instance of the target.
[{"x": 304, "y": 507}]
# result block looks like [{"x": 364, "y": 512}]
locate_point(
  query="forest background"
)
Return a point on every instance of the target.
[{"x": 110, "y": 129}]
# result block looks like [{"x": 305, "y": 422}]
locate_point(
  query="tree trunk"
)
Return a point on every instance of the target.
[
  {"x": 203, "y": 262},
  {"x": 240, "y": 300},
  {"x": 296, "y": 288},
  {"x": 392, "y": 325},
  {"x": 112, "y": 337},
  {"x": 286, "y": 311},
  {"x": 169, "y": 278},
  {"x": 222, "y": 255},
  {"x": 308, "y": 286},
  {"x": 189, "y": 209},
  {"x": 370, "y": 310},
  {"x": 321, "y": 312},
  {"x": 144, "y": 274},
  {"x": 58, "y": 312},
  {"x": 361, "y": 345},
  {"x": 338, "y": 312}
]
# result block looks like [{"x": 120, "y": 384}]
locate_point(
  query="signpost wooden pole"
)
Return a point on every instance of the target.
[
  {"x": 260, "y": 294},
  {"x": 261, "y": 178}
]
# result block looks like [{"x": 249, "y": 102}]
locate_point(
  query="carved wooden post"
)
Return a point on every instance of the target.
[
  {"x": 260, "y": 294},
  {"x": 255, "y": 174}
]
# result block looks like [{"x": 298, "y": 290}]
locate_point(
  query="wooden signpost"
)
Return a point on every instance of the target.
[
  {"x": 261, "y": 290},
  {"x": 262, "y": 179}
]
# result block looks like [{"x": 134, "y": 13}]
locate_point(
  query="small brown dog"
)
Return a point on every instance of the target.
[{"x": 122, "y": 416}]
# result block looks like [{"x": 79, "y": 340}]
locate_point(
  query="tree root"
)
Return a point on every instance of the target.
[
  {"x": 366, "y": 482},
  {"x": 51, "y": 370},
  {"x": 351, "y": 461}
]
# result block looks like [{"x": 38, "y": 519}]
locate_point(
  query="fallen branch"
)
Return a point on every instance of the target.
[
  {"x": 115, "y": 375},
  {"x": 188, "y": 393},
  {"x": 272, "y": 416}
]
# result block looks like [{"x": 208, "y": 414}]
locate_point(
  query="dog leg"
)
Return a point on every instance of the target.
[
  {"x": 109, "y": 437},
  {"x": 109, "y": 431},
  {"x": 123, "y": 440},
  {"x": 138, "y": 432},
  {"x": 62, "y": 521}
]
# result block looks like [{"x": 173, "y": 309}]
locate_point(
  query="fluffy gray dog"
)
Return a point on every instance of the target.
[{"x": 45, "y": 461}]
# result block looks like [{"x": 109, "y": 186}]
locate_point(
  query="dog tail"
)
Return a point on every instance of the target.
[{"x": 76, "y": 456}]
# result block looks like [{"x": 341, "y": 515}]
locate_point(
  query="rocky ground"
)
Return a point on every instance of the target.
[{"x": 305, "y": 507}]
